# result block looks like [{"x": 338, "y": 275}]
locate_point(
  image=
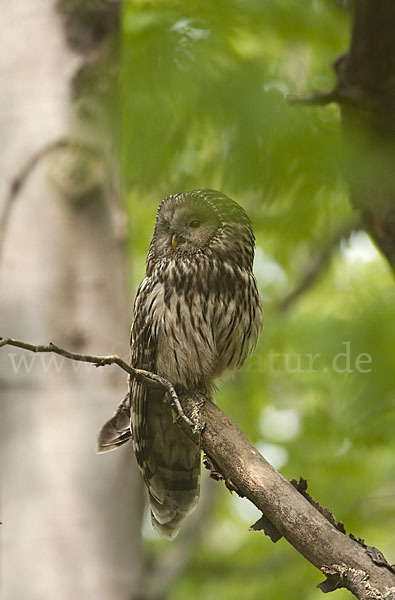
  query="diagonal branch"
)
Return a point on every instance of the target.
[
  {"x": 318, "y": 265},
  {"x": 300, "y": 520},
  {"x": 314, "y": 99},
  {"x": 345, "y": 560},
  {"x": 18, "y": 182}
]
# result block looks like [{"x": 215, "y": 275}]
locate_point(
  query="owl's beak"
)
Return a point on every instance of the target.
[{"x": 174, "y": 241}]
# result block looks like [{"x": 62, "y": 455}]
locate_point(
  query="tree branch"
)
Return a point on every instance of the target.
[
  {"x": 346, "y": 561},
  {"x": 301, "y": 522},
  {"x": 21, "y": 178},
  {"x": 314, "y": 99},
  {"x": 317, "y": 266}
]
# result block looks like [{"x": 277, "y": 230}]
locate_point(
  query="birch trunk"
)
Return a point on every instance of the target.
[{"x": 71, "y": 518}]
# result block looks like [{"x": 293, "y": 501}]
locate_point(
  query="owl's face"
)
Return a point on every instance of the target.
[
  {"x": 201, "y": 221},
  {"x": 184, "y": 224}
]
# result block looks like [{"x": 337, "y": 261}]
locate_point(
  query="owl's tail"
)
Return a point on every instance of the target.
[{"x": 173, "y": 474}]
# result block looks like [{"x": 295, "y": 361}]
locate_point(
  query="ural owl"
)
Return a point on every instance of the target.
[{"x": 197, "y": 313}]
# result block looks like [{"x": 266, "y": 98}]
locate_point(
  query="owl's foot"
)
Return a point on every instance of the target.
[{"x": 187, "y": 406}]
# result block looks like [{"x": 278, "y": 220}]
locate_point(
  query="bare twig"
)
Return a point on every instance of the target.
[
  {"x": 21, "y": 178},
  {"x": 315, "y": 99},
  {"x": 140, "y": 375},
  {"x": 320, "y": 263},
  {"x": 300, "y": 520}
]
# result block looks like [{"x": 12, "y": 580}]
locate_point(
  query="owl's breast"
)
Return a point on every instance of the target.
[
  {"x": 186, "y": 344},
  {"x": 207, "y": 321}
]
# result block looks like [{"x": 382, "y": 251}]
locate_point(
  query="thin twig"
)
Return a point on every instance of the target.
[
  {"x": 317, "y": 266},
  {"x": 21, "y": 178},
  {"x": 140, "y": 375},
  {"x": 315, "y": 99}
]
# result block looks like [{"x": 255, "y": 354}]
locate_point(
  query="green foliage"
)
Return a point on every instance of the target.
[{"x": 204, "y": 88}]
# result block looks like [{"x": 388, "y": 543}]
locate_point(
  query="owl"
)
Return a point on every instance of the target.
[{"x": 197, "y": 315}]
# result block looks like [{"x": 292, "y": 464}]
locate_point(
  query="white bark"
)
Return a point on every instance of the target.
[{"x": 71, "y": 518}]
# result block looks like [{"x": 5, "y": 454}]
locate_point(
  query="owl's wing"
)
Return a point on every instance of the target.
[
  {"x": 143, "y": 350},
  {"x": 116, "y": 431},
  {"x": 168, "y": 460}
]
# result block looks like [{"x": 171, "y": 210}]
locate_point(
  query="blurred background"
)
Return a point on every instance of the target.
[{"x": 164, "y": 97}]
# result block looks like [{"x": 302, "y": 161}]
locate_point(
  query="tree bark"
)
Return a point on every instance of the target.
[{"x": 366, "y": 94}]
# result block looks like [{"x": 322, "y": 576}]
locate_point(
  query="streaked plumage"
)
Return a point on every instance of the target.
[{"x": 197, "y": 314}]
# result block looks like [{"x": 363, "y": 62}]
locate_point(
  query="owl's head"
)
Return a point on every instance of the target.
[{"x": 199, "y": 222}]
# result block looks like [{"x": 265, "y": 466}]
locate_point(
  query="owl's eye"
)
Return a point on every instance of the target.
[{"x": 195, "y": 223}]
